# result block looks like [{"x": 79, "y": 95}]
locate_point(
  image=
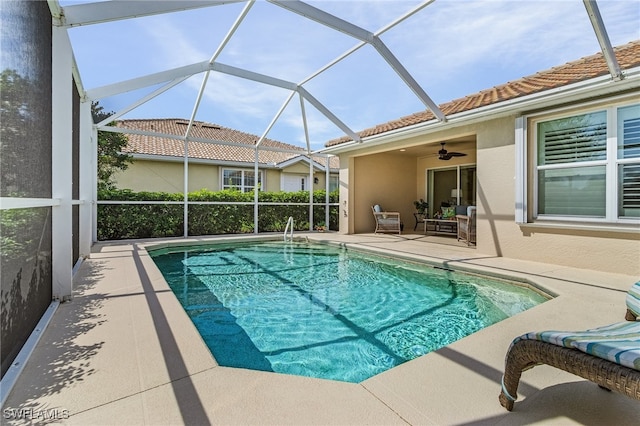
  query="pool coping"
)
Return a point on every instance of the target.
[{"x": 124, "y": 351}]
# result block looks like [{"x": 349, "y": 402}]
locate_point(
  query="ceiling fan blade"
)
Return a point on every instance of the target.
[{"x": 443, "y": 154}]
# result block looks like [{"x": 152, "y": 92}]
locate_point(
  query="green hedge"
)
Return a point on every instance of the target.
[{"x": 117, "y": 221}]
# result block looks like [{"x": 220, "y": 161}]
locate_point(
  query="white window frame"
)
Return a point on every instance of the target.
[
  {"x": 243, "y": 187},
  {"x": 611, "y": 164}
]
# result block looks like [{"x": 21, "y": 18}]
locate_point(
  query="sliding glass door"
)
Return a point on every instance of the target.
[{"x": 451, "y": 186}]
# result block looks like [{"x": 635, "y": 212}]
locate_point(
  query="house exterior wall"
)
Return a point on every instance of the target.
[
  {"x": 168, "y": 176},
  {"x": 298, "y": 168},
  {"x": 272, "y": 180},
  {"x": 499, "y": 234},
  {"x": 364, "y": 180},
  {"x": 165, "y": 176},
  {"x": 496, "y": 227}
]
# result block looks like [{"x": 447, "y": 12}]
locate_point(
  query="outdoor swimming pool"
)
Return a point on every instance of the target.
[{"x": 324, "y": 311}]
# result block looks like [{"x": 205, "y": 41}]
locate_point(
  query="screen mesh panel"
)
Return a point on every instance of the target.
[
  {"x": 26, "y": 276},
  {"x": 25, "y": 170},
  {"x": 25, "y": 90}
]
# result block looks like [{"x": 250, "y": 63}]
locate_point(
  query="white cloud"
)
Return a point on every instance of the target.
[
  {"x": 455, "y": 48},
  {"x": 172, "y": 45}
]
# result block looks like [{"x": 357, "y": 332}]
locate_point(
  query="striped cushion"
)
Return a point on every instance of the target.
[
  {"x": 633, "y": 299},
  {"x": 619, "y": 342}
]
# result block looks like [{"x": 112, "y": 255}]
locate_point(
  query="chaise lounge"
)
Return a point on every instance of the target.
[{"x": 608, "y": 356}]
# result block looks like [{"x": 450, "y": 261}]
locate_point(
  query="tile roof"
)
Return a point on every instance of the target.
[
  {"x": 162, "y": 146},
  {"x": 583, "y": 69}
]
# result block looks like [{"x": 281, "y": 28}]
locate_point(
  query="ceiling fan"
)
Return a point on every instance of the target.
[{"x": 443, "y": 154}]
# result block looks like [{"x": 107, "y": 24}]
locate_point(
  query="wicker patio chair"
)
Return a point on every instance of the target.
[
  {"x": 467, "y": 225},
  {"x": 386, "y": 221},
  {"x": 608, "y": 356}
]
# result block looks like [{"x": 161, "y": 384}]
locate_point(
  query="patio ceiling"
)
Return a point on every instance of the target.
[
  {"x": 464, "y": 143},
  {"x": 235, "y": 20}
]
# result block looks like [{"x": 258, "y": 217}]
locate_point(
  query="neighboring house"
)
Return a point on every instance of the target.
[
  {"x": 552, "y": 163},
  {"x": 159, "y": 161}
]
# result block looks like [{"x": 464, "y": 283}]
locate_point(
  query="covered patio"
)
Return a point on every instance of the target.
[{"x": 124, "y": 352}]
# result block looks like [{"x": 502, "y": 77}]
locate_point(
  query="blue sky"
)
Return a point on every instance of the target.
[{"x": 451, "y": 47}]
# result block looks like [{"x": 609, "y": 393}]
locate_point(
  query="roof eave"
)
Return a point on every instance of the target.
[
  {"x": 192, "y": 160},
  {"x": 580, "y": 91},
  {"x": 301, "y": 158}
]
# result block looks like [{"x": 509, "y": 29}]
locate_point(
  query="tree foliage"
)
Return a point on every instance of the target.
[{"x": 111, "y": 157}]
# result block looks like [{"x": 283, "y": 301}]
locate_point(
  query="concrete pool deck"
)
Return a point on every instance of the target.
[{"x": 124, "y": 352}]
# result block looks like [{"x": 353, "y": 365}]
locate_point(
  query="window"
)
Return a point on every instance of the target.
[
  {"x": 588, "y": 165},
  {"x": 240, "y": 179},
  {"x": 334, "y": 183},
  {"x": 629, "y": 161}
]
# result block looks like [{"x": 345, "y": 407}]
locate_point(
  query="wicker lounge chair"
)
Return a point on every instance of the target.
[
  {"x": 386, "y": 221},
  {"x": 608, "y": 356}
]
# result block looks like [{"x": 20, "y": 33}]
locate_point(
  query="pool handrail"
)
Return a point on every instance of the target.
[{"x": 289, "y": 223}]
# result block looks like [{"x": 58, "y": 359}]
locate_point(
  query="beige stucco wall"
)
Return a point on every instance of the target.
[
  {"x": 162, "y": 176},
  {"x": 297, "y": 168},
  {"x": 498, "y": 234},
  {"x": 272, "y": 180},
  {"x": 384, "y": 179},
  {"x": 372, "y": 176}
]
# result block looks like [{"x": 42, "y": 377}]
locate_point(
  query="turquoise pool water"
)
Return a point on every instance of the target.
[{"x": 327, "y": 312}]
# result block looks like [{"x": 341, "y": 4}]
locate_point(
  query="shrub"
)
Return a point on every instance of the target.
[{"x": 122, "y": 221}]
